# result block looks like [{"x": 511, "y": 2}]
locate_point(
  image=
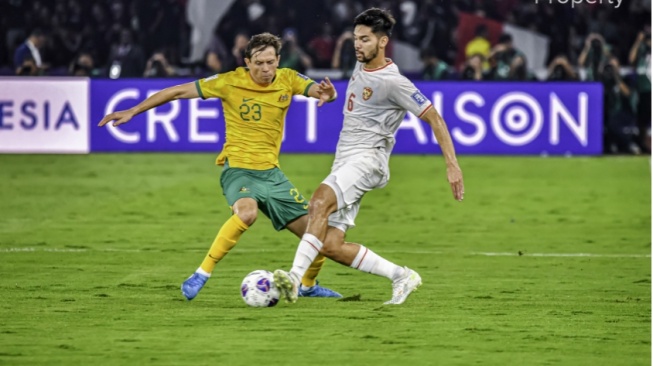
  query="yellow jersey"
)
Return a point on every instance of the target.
[
  {"x": 480, "y": 46},
  {"x": 254, "y": 115}
]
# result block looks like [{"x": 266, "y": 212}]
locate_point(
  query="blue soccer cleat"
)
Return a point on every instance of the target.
[
  {"x": 192, "y": 286},
  {"x": 318, "y": 291}
]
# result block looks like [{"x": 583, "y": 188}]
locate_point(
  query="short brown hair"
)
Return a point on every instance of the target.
[{"x": 262, "y": 41}]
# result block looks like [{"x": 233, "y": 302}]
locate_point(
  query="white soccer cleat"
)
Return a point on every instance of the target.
[
  {"x": 286, "y": 285},
  {"x": 403, "y": 286}
]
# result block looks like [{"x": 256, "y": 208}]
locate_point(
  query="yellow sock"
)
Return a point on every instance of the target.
[
  {"x": 313, "y": 270},
  {"x": 226, "y": 239}
]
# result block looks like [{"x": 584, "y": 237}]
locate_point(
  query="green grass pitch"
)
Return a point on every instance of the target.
[{"x": 93, "y": 250}]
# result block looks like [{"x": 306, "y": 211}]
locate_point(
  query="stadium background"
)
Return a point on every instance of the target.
[
  {"x": 604, "y": 43},
  {"x": 546, "y": 262}
]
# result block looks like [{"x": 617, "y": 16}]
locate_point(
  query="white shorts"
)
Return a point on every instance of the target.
[{"x": 350, "y": 180}]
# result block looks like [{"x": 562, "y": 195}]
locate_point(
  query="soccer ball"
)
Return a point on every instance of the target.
[{"x": 258, "y": 289}]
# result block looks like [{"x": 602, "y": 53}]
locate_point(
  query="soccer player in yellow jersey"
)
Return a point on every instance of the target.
[{"x": 255, "y": 100}]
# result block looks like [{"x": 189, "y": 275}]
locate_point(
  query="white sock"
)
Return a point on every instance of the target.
[
  {"x": 307, "y": 250},
  {"x": 368, "y": 261},
  {"x": 203, "y": 272}
]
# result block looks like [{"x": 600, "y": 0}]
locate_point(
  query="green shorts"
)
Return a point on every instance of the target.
[{"x": 277, "y": 198}]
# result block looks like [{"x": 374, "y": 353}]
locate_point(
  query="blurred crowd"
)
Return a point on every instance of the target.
[
  {"x": 90, "y": 38},
  {"x": 150, "y": 38}
]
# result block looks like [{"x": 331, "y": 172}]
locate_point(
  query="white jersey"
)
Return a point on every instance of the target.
[{"x": 377, "y": 101}]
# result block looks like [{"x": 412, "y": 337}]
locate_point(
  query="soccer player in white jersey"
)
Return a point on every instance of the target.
[{"x": 378, "y": 97}]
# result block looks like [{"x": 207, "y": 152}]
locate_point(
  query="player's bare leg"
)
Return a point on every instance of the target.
[
  {"x": 404, "y": 280},
  {"x": 323, "y": 203},
  {"x": 333, "y": 246}
]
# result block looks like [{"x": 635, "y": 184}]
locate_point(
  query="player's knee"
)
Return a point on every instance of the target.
[
  {"x": 248, "y": 217},
  {"x": 331, "y": 250},
  {"x": 246, "y": 209},
  {"x": 332, "y": 244}
]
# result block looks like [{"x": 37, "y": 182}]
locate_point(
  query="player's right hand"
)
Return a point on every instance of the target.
[
  {"x": 455, "y": 178},
  {"x": 119, "y": 118}
]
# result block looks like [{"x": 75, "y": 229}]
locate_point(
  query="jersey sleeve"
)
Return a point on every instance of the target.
[
  {"x": 211, "y": 87},
  {"x": 405, "y": 94},
  {"x": 300, "y": 83}
]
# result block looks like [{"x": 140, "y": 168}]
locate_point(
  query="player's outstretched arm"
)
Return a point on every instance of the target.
[
  {"x": 454, "y": 174},
  {"x": 324, "y": 91},
  {"x": 183, "y": 91}
]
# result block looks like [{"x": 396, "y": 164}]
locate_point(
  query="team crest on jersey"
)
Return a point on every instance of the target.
[
  {"x": 367, "y": 93},
  {"x": 211, "y": 77},
  {"x": 244, "y": 190},
  {"x": 419, "y": 98},
  {"x": 302, "y": 76},
  {"x": 283, "y": 98}
]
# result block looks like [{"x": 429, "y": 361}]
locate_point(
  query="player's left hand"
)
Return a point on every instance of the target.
[
  {"x": 326, "y": 90},
  {"x": 455, "y": 178}
]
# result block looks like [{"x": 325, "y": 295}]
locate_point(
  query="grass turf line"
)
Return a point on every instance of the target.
[{"x": 159, "y": 213}]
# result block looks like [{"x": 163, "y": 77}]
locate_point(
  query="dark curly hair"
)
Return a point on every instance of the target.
[{"x": 380, "y": 21}]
